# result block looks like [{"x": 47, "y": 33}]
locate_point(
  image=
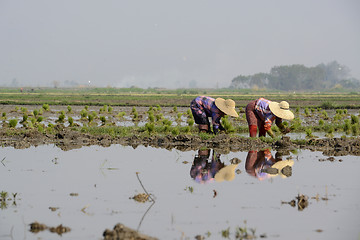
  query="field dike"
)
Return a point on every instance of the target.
[{"x": 67, "y": 139}]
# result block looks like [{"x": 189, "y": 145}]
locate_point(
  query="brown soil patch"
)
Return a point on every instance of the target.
[{"x": 68, "y": 139}]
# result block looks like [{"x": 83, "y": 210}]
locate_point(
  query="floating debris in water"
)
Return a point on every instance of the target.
[
  {"x": 122, "y": 232},
  {"x": 141, "y": 197},
  {"x": 302, "y": 202},
  {"x": 36, "y": 227},
  {"x": 330, "y": 159}
]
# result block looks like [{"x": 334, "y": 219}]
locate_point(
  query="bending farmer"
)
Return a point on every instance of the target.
[
  {"x": 204, "y": 107},
  {"x": 261, "y": 113}
]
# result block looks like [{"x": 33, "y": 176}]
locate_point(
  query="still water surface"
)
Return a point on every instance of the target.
[{"x": 186, "y": 204}]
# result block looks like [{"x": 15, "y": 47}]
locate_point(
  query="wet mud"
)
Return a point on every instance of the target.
[
  {"x": 68, "y": 139},
  {"x": 122, "y": 232}
]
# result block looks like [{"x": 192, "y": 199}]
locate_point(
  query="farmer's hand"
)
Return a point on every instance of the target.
[{"x": 285, "y": 130}]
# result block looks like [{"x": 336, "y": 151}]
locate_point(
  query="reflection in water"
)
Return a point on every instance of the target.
[
  {"x": 262, "y": 165},
  {"x": 206, "y": 168}
]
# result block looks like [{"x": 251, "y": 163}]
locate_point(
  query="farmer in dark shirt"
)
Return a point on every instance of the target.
[{"x": 203, "y": 107}]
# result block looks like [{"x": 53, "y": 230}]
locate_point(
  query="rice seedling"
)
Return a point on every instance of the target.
[
  {"x": 347, "y": 126},
  {"x": 103, "y": 120},
  {"x": 71, "y": 121},
  {"x": 306, "y": 112},
  {"x": 355, "y": 129},
  {"x": 110, "y": 109},
  {"x": 354, "y": 119},
  {"x": 90, "y": 118},
  {"x": 321, "y": 122},
  {"x": 175, "y": 109},
  {"x": 3, "y": 195},
  {"x": 69, "y": 109},
  {"x": 35, "y": 113},
  {"x": 40, "y": 128},
  {"x": 24, "y": 109},
  {"x": 295, "y": 124},
  {"x": 120, "y": 115},
  {"x": 24, "y": 119},
  {"x": 175, "y": 131},
  {"x": 3, "y": 115},
  {"x": 324, "y": 115},
  {"x": 158, "y": 108},
  {"x": 178, "y": 117},
  {"x": 151, "y": 117},
  {"x": 227, "y": 125},
  {"x": 297, "y": 110},
  {"x": 166, "y": 122},
  {"x": 309, "y": 133},
  {"x": 83, "y": 114},
  {"x": 337, "y": 117},
  {"x": 149, "y": 127},
  {"x": 13, "y": 123},
  {"x": 191, "y": 122},
  {"x": 61, "y": 117},
  {"x": 46, "y": 107},
  {"x": 225, "y": 233},
  {"x": 39, "y": 119},
  {"x": 185, "y": 129},
  {"x": 159, "y": 117}
]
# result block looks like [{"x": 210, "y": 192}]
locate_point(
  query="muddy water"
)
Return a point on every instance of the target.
[{"x": 89, "y": 190}]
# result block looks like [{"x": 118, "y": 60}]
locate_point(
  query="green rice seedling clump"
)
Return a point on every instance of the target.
[
  {"x": 354, "y": 119},
  {"x": 103, "y": 120},
  {"x": 13, "y": 123},
  {"x": 40, "y": 119},
  {"x": 83, "y": 114},
  {"x": 120, "y": 115},
  {"x": 347, "y": 126},
  {"x": 71, "y": 121},
  {"x": 149, "y": 127},
  {"x": 191, "y": 122},
  {"x": 46, "y": 107}
]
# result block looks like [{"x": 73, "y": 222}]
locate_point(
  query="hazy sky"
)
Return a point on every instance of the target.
[{"x": 154, "y": 43}]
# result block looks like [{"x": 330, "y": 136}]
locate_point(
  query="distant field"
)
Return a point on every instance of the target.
[{"x": 163, "y": 97}]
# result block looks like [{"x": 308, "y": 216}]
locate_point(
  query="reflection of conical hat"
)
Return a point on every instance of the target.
[
  {"x": 227, "y": 106},
  {"x": 281, "y": 110},
  {"x": 282, "y": 164},
  {"x": 227, "y": 173}
]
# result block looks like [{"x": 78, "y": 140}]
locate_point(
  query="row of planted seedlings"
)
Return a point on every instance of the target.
[
  {"x": 152, "y": 121},
  {"x": 317, "y": 120}
]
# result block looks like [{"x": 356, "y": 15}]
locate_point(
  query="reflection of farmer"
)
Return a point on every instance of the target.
[
  {"x": 204, "y": 107},
  {"x": 261, "y": 113},
  {"x": 203, "y": 168},
  {"x": 262, "y": 165}
]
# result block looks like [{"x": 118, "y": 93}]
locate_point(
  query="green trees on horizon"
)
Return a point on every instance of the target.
[{"x": 299, "y": 77}]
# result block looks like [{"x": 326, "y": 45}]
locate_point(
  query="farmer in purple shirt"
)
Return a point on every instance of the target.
[
  {"x": 261, "y": 113},
  {"x": 204, "y": 107}
]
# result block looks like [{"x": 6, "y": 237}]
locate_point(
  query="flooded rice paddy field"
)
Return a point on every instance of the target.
[
  {"x": 264, "y": 194},
  {"x": 123, "y": 116}
]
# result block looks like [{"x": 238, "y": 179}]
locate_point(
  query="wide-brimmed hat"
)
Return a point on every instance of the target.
[
  {"x": 281, "y": 110},
  {"x": 227, "y": 173},
  {"x": 227, "y": 106}
]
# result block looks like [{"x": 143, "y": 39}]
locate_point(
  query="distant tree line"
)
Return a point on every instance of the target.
[{"x": 299, "y": 77}]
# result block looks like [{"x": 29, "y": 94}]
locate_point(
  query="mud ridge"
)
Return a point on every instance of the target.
[{"x": 68, "y": 139}]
